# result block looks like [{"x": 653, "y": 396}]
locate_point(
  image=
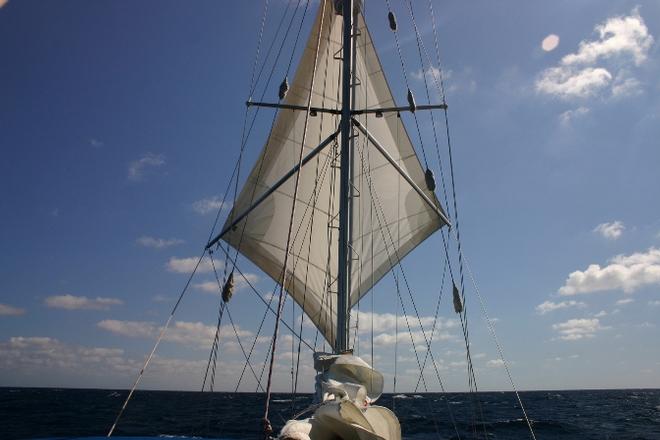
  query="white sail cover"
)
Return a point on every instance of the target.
[{"x": 388, "y": 222}]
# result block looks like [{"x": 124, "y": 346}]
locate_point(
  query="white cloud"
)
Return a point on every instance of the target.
[
  {"x": 187, "y": 265},
  {"x": 495, "y": 363},
  {"x": 388, "y": 321},
  {"x": 161, "y": 298},
  {"x": 463, "y": 82},
  {"x": 7, "y": 310},
  {"x": 618, "y": 36},
  {"x": 384, "y": 325},
  {"x": 211, "y": 204},
  {"x": 654, "y": 303},
  {"x": 403, "y": 337},
  {"x": 70, "y": 302},
  {"x": 46, "y": 361},
  {"x": 600, "y": 314},
  {"x": 568, "y": 83},
  {"x": 625, "y": 272},
  {"x": 569, "y": 116},
  {"x": 432, "y": 73},
  {"x": 137, "y": 167},
  {"x": 96, "y": 143},
  {"x": 611, "y": 231},
  {"x": 550, "y": 43},
  {"x": 549, "y": 306},
  {"x": 575, "y": 329},
  {"x": 133, "y": 329},
  {"x": 623, "y": 302},
  {"x": 624, "y": 85},
  {"x": 240, "y": 282},
  {"x": 49, "y": 353},
  {"x": 620, "y": 39},
  {"x": 195, "y": 334},
  {"x": 158, "y": 243}
]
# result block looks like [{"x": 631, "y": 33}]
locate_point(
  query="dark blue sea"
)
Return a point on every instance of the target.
[{"x": 28, "y": 413}]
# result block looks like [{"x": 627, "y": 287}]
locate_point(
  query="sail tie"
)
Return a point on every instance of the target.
[
  {"x": 430, "y": 179},
  {"x": 284, "y": 88},
  {"x": 458, "y": 304},
  {"x": 392, "y": 19},
  {"x": 411, "y": 102},
  {"x": 228, "y": 288}
]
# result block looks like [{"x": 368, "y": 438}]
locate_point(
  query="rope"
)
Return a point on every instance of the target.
[
  {"x": 256, "y": 292},
  {"x": 245, "y": 137},
  {"x": 379, "y": 213},
  {"x": 405, "y": 77},
  {"x": 254, "y": 343},
  {"x": 153, "y": 350},
  {"x": 472, "y": 382},
  {"x": 214, "y": 346},
  {"x": 435, "y": 320},
  {"x": 238, "y": 339},
  {"x": 267, "y": 426},
  {"x": 491, "y": 328},
  {"x": 311, "y": 225}
]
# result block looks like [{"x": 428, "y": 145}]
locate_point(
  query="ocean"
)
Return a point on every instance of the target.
[{"x": 29, "y": 413}]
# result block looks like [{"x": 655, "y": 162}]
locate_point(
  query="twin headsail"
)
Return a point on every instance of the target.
[{"x": 389, "y": 216}]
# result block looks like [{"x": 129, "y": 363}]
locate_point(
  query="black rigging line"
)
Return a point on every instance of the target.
[
  {"x": 383, "y": 227},
  {"x": 311, "y": 226},
  {"x": 405, "y": 77},
  {"x": 463, "y": 315}
]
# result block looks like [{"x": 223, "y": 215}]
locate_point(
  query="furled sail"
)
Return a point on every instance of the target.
[{"x": 389, "y": 218}]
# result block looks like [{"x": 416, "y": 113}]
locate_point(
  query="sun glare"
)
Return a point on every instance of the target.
[{"x": 550, "y": 42}]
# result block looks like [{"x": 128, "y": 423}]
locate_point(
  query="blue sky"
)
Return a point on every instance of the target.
[{"x": 120, "y": 125}]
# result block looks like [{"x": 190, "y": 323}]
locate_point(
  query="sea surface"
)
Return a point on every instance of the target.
[{"x": 28, "y": 413}]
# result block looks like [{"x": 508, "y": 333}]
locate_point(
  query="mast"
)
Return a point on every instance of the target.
[{"x": 346, "y": 127}]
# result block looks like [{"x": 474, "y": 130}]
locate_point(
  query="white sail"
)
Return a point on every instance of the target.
[{"x": 394, "y": 204}]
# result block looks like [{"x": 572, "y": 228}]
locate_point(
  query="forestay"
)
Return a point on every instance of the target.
[{"x": 261, "y": 236}]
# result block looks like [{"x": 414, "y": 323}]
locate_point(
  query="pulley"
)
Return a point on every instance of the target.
[
  {"x": 392, "y": 20},
  {"x": 411, "y": 102},
  {"x": 228, "y": 288},
  {"x": 430, "y": 179},
  {"x": 458, "y": 304},
  {"x": 284, "y": 87}
]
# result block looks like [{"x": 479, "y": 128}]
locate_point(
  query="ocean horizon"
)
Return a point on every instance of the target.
[{"x": 63, "y": 413}]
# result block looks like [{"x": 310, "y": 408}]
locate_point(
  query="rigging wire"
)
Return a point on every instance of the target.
[
  {"x": 472, "y": 383},
  {"x": 397, "y": 262},
  {"x": 225, "y": 306},
  {"x": 311, "y": 225},
  {"x": 268, "y": 306},
  {"x": 246, "y": 136},
  {"x": 214, "y": 346},
  {"x": 267, "y": 426},
  {"x": 153, "y": 350},
  {"x": 435, "y": 321},
  {"x": 491, "y": 328},
  {"x": 310, "y": 203},
  {"x": 405, "y": 77}
]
